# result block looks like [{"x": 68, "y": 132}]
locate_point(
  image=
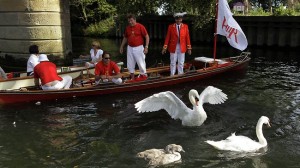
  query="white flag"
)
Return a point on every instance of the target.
[{"x": 227, "y": 26}]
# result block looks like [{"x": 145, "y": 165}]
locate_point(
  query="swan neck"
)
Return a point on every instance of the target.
[
  {"x": 259, "y": 133},
  {"x": 192, "y": 96}
]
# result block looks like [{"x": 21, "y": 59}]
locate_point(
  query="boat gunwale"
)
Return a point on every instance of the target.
[{"x": 60, "y": 73}]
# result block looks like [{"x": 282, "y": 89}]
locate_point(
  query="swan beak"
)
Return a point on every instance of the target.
[
  {"x": 196, "y": 100},
  {"x": 182, "y": 150},
  {"x": 139, "y": 155},
  {"x": 268, "y": 124}
]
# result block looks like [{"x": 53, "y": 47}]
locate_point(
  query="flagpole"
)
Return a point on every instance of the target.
[{"x": 215, "y": 34}]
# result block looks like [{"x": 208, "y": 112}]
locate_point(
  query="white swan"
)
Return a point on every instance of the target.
[
  {"x": 157, "y": 157},
  {"x": 178, "y": 110},
  {"x": 243, "y": 143}
]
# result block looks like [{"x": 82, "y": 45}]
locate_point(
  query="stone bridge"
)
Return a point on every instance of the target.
[{"x": 45, "y": 23}]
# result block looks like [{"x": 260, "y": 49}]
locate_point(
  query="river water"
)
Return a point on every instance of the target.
[{"x": 107, "y": 131}]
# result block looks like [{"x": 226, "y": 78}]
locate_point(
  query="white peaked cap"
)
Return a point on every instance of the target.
[
  {"x": 179, "y": 14},
  {"x": 43, "y": 57}
]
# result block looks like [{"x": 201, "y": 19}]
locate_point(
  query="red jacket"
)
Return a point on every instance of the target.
[{"x": 172, "y": 38}]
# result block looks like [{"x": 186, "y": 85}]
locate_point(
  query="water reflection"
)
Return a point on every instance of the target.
[{"x": 228, "y": 155}]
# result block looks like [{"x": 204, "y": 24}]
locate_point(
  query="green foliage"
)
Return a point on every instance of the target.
[
  {"x": 136, "y": 7},
  {"x": 95, "y": 17},
  {"x": 104, "y": 28},
  {"x": 258, "y": 12},
  {"x": 281, "y": 11},
  {"x": 204, "y": 10},
  {"x": 297, "y": 8},
  {"x": 181, "y": 6},
  {"x": 207, "y": 12},
  {"x": 91, "y": 11}
]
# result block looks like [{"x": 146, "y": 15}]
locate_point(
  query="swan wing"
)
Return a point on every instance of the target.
[
  {"x": 150, "y": 153},
  {"x": 212, "y": 95},
  {"x": 165, "y": 159},
  {"x": 163, "y": 100},
  {"x": 170, "y": 158}
]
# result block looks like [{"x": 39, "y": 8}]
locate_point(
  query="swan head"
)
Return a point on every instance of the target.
[
  {"x": 172, "y": 148},
  {"x": 265, "y": 120},
  {"x": 140, "y": 155},
  {"x": 194, "y": 97}
]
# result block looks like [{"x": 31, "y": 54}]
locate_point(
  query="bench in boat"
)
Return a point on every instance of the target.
[{"x": 210, "y": 60}]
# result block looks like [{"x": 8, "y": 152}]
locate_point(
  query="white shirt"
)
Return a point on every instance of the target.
[
  {"x": 178, "y": 28},
  {"x": 33, "y": 60},
  {"x": 97, "y": 57},
  {"x": 178, "y": 32},
  {"x": 2, "y": 74}
]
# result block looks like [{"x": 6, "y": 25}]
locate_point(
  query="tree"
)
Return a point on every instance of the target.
[
  {"x": 88, "y": 12},
  {"x": 247, "y": 5},
  {"x": 204, "y": 10},
  {"x": 137, "y": 7},
  {"x": 270, "y": 6},
  {"x": 292, "y": 3},
  {"x": 91, "y": 11}
]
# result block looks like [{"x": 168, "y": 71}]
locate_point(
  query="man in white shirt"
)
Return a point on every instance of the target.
[{"x": 33, "y": 60}]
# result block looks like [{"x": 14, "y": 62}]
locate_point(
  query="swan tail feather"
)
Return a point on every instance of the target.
[{"x": 215, "y": 144}]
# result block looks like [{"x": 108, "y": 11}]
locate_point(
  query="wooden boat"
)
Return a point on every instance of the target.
[
  {"x": 25, "y": 81},
  {"x": 157, "y": 77},
  {"x": 200, "y": 68}
]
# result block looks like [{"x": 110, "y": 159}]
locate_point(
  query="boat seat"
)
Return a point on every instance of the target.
[{"x": 210, "y": 60}]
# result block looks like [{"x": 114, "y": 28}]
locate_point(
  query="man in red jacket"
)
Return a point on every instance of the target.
[{"x": 177, "y": 42}]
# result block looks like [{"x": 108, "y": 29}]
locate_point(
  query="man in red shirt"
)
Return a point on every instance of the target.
[
  {"x": 107, "y": 70},
  {"x": 134, "y": 35},
  {"x": 46, "y": 71},
  {"x": 177, "y": 42}
]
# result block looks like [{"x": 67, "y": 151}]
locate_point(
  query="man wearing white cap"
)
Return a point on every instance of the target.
[
  {"x": 177, "y": 42},
  {"x": 46, "y": 71}
]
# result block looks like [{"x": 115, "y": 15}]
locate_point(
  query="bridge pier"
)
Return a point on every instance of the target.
[{"x": 45, "y": 23}]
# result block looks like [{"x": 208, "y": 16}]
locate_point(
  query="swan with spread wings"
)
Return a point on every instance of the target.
[{"x": 178, "y": 110}]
